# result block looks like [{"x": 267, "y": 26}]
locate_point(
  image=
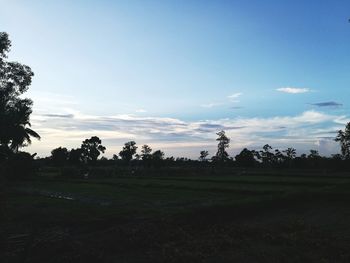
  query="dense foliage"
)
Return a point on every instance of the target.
[
  {"x": 15, "y": 111},
  {"x": 15, "y": 79}
]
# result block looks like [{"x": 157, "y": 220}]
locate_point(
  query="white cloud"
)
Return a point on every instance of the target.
[
  {"x": 140, "y": 111},
  {"x": 174, "y": 136},
  {"x": 234, "y": 97},
  {"x": 293, "y": 90},
  {"x": 211, "y": 105}
]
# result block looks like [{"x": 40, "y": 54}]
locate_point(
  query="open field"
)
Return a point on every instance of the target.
[{"x": 239, "y": 218}]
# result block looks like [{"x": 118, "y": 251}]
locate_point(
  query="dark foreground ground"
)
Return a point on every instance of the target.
[{"x": 237, "y": 218}]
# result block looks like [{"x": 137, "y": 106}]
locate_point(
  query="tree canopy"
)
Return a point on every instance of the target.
[
  {"x": 15, "y": 79},
  {"x": 91, "y": 149},
  {"x": 223, "y": 143},
  {"x": 246, "y": 158},
  {"x": 128, "y": 151},
  {"x": 203, "y": 155},
  {"x": 59, "y": 156},
  {"x": 146, "y": 152},
  {"x": 343, "y": 138}
]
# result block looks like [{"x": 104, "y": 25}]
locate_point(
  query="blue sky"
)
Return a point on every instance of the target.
[{"x": 173, "y": 73}]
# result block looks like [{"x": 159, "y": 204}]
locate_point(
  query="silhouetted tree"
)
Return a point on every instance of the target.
[
  {"x": 343, "y": 138},
  {"x": 157, "y": 158},
  {"x": 245, "y": 158},
  {"x": 337, "y": 157},
  {"x": 59, "y": 156},
  {"x": 290, "y": 153},
  {"x": 146, "y": 152},
  {"x": 278, "y": 157},
  {"x": 76, "y": 156},
  {"x": 290, "y": 156},
  {"x": 129, "y": 150},
  {"x": 158, "y": 155},
  {"x": 15, "y": 111},
  {"x": 266, "y": 155},
  {"x": 257, "y": 155},
  {"x": 313, "y": 154},
  {"x": 91, "y": 149},
  {"x": 203, "y": 156},
  {"x": 224, "y": 142}
]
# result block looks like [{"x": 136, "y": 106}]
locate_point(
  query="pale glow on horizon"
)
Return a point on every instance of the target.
[
  {"x": 173, "y": 73},
  {"x": 171, "y": 135}
]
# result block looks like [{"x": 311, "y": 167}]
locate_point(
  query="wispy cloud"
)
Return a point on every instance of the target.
[
  {"x": 332, "y": 104},
  {"x": 211, "y": 105},
  {"x": 176, "y": 136},
  {"x": 140, "y": 111},
  {"x": 234, "y": 97},
  {"x": 59, "y": 115},
  {"x": 293, "y": 90}
]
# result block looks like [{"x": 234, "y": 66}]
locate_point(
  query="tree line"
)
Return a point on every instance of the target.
[
  {"x": 91, "y": 149},
  {"x": 16, "y": 132}
]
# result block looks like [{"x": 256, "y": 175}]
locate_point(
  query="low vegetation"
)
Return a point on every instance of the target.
[{"x": 218, "y": 218}]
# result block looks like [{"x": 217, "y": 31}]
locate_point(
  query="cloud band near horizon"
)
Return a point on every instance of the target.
[{"x": 308, "y": 130}]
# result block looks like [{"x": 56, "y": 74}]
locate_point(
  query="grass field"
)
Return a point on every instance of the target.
[{"x": 238, "y": 218}]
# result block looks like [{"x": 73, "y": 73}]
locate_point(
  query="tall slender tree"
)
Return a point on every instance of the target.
[{"x": 223, "y": 144}]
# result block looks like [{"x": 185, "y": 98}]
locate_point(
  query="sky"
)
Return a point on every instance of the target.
[{"x": 171, "y": 74}]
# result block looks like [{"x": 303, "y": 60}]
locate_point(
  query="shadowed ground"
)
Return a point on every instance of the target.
[{"x": 178, "y": 219}]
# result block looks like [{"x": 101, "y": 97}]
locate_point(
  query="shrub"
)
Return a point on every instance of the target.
[{"x": 19, "y": 166}]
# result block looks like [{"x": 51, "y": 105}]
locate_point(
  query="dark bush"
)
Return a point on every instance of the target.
[{"x": 19, "y": 166}]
